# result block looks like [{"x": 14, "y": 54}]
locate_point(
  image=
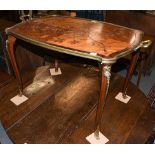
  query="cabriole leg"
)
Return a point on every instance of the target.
[
  {"x": 56, "y": 65},
  {"x": 104, "y": 86},
  {"x": 133, "y": 62},
  {"x": 10, "y": 47}
]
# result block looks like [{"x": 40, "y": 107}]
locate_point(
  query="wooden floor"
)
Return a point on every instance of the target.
[
  {"x": 4, "y": 79},
  {"x": 65, "y": 111}
]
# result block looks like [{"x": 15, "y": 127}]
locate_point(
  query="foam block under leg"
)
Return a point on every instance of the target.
[
  {"x": 119, "y": 97},
  {"x": 92, "y": 139},
  {"x": 53, "y": 72},
  {"x": 17, "y": 100}
]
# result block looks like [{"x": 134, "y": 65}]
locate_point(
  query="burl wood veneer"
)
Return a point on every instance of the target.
[{"x": 102, "y": 38}]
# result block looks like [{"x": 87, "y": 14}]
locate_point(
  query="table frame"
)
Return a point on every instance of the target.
[{"x": 105, "y": 69}]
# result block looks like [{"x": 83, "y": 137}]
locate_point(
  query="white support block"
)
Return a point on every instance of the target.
[
  {"x": 119, "y": 97},
  {"x": 53, "y": 72},
  {"x": 17, "y": 100},
  {"x": 93, "y": 140}
]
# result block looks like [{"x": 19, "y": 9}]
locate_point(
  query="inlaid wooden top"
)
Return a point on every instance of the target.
[{"x": 80, "y": 35}]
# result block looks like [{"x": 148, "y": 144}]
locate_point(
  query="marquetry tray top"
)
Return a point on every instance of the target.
[{"x": 85, "y": 38}]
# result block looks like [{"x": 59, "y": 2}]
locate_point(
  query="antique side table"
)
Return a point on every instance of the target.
[{"x": 100, "y": 41}]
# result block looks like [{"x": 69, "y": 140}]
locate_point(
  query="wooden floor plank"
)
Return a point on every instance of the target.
[
  {"x": 65, "y": 113},
  {"x": 4, "y": 79},
  {"x": 10, "y": 114},
  {"x": 119, "y": 119}
]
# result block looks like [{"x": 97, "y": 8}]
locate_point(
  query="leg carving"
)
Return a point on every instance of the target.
[{"x": 105, "y": 81}]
